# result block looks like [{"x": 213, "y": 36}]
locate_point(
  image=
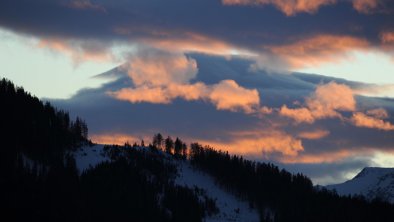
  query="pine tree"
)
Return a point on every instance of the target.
[
  {"x": 178, "y": 147},
  {"x": 157, "y": 140},
  {"x": 169, "y": 145},
  {"x": 184, "y": 150}
]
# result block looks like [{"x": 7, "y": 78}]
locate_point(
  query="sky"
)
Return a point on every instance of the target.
[{"x": 307, "y": 85}]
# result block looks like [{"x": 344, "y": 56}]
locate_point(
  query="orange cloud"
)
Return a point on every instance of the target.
[
  {"x": 265, "y": 110},
  {"x": 314, "y": 135},
  {"x": 260, "y": 143},
  {"x": 142, "y": 94},
  {"x": 188, "y": 92},
  {"x": 331, "y": 97},
  {"x": 162, "y": 94},
  {"x": 289, "y": 8},
  {"x": 365, "y": 6},
  {"x": 300, "y": 115},
  {"x": 228, "y": 95},
  {"x": 325, "y": 102},
  {"x": 116, "y": 138},
  {"x": 318, "y": 49},
  {"x": 157, "y": 68},
  {"x": 362, "y": 120}
]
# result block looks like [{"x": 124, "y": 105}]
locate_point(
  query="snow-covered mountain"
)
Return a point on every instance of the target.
[{"x": 371, "y": 182}]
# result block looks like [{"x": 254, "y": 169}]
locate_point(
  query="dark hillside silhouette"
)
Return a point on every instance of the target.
[{"x": 36, "y": 128}]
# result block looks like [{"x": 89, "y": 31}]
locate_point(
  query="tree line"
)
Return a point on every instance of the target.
[{"x": 34, "y": 127}]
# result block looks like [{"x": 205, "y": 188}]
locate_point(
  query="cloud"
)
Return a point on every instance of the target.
[
  {"x": 316, "y": 50},
  {"x": 260, "y": 143},
  {"x": 325, "y": 102},
  {"x": 379, "y": 113},
  {"x": 379, "y": 90},
  {"x": 219, "y": 30},
  {"x": 300, "y": 115},
  {"x": 160, "y": 68},
  {"x": 293, "y": 7},
  {"x": 265, "y": 110},
  {"x": 330, "y": 97},
  {"x": 321, "y": 157},
  {"x": 142, "y": 94},
  {"x": 160, "y": 77},
  {"x": 114, "y": 138},
  {"x": 228, "y": 95},
  {"x": 387, "y": 37},
  {"x": 289, "y": 8},
  {"x": 194, "y": 42},
  {"x": 162, "y": 94},
  {"x": 361, "y": 120},
  {"x": 78, "y": 51},
  {"x": 328, "y": 100}
]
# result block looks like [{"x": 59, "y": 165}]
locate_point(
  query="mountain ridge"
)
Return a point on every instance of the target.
[{"x": 370, "y": 182}]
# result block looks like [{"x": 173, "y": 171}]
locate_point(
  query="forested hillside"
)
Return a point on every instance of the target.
[
  {"x": 38, "y": 129},
  {"x": 40, "y": 181}
]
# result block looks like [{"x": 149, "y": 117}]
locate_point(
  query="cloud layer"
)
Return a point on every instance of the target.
[
  {"x": 309, "y": 33},
  {"x": 325, "y": 102}
]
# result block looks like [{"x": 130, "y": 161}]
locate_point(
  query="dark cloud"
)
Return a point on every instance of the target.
[{"x": 248, "y": 27}]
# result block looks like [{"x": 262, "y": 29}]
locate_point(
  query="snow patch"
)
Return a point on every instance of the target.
[{"x": 89, "y": 156}]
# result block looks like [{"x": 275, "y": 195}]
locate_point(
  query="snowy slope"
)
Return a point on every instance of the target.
[
  {"x": 231, "y": 208},
  {"x": 89, "y": 156},
  {"x": 371, "y": 182}
]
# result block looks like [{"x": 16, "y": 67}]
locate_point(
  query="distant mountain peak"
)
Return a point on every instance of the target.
[
  {"x": 371, "y": 182},
  {"x": 377, "y": 171}
]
